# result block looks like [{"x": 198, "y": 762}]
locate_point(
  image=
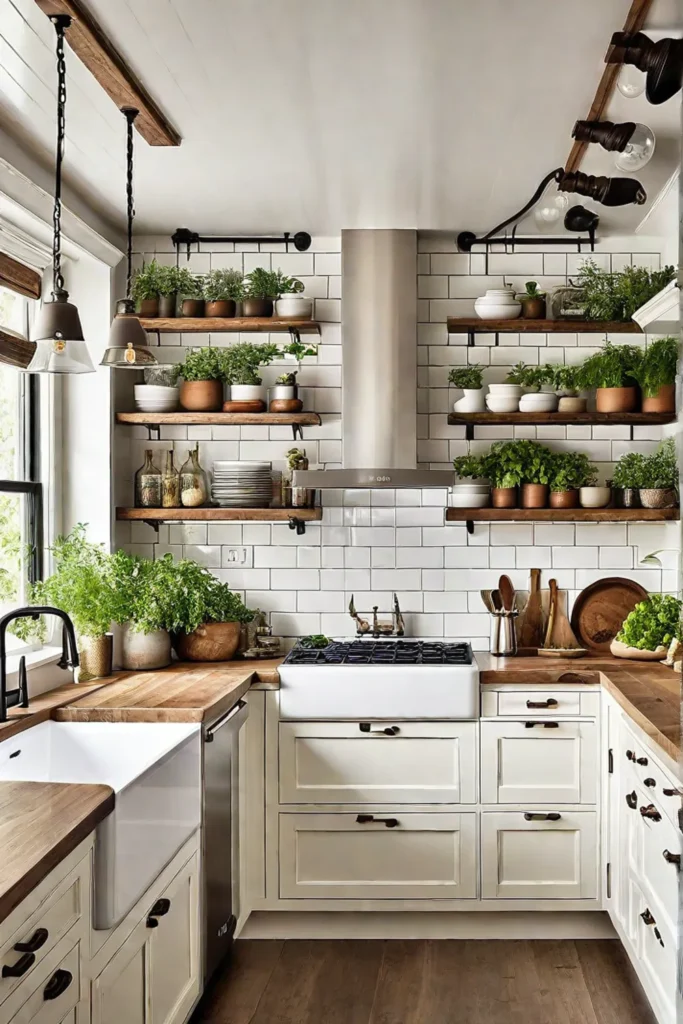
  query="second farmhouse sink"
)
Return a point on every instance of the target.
[{"x": 155, "y": 772}]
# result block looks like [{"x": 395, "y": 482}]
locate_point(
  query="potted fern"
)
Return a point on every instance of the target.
[
  {"x": 612, "y": 373},
  {"x": 203, "y": 374},
  {"x": 469, "y": 380},
  {"x": 656, "y": 374},
  {"x": 261, "y": 287},
  {"x": 222, "y": 290}
]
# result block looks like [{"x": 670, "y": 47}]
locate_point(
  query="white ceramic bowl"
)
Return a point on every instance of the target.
[
  {"x": 502, "y": 404},
  {"x": 505, "y": 390},
  {"x": 458, "y": 500},
  {"x": 150, "y": 407},
  {"x": 155, "y": 391},
  {"x": 538, "y": 403},
  {"x": 594, "y": 497}
]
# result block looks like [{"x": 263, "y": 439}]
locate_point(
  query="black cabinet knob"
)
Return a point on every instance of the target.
[
  {"x": 651, "y": 813},
  {"x": 632, "y": 800},
  {"x": 672, "y": 858},
  {"x": 642, "y": 761}
]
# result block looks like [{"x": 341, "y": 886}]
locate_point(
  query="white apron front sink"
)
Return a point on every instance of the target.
[{"x": 155, "y": 772}]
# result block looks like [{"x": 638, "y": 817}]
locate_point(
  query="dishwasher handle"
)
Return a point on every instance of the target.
[{"x": 236, "y": 717}]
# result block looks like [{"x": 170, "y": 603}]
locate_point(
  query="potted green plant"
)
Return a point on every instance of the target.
[
  {"x": 241, "y": 365},
  {"x": 611, "y": 372},
  {"x": 475, "y": 494},
  {"x": 205, "y": 616},
  {"x": 261, "y": 287},
  {"x": 469, "y": 380},
  {"x": 649, "y": 629},
  {"x": 285, "y": 389},
  {"x": 627, "y": 479},
  {"x": 291, "y": 304},
  {"x": 80, "y": 585},
  {"x": 190, "y": 292},
  {"x": 507, "y": 464},
  {"x": 656, "y": 374},
  {"x": 536, "y": 462},
  {"x": 565, "y": 381},
  {"x": 616, "y": 297},
  {"x": 142, "y": 594},
  {"x": 660, "y": 480},
  {"x": 222, "y": 290},
  {"x": 145, "y": 289},
  {"x": 533, "y": 302},
  {"x": 203, "y": 374},
  {"x": 569, "y": 471},
  {"x": 168, "y": 291}
]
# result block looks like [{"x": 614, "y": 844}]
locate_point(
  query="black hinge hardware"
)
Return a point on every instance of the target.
[
  {"x": 608, "y": 880},
  {"x": 610, "y": 762}
]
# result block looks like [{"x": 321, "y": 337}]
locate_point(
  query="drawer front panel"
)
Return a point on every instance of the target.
[
  {"x": 351, "y": 763},
  {"x": 333, "y": 856},
  {"x": 525, "y": 703},
  {"x": 656, "y": 949},
  {"x": 56, "y": 995},
  {"x": 538, "y": 762},
  {"x": 539, "y": 859}
]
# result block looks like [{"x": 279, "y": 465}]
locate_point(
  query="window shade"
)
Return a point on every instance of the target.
[{"x": 19, "y": 278}]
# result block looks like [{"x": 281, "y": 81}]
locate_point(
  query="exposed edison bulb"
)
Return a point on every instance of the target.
[
  {"x": 639, "y": 150},
  {"x": 631, "y": 82},
  {"x": 550, "y": 210}
]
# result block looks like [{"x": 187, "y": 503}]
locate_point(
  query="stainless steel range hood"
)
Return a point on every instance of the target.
[{"x": 379, "y": 367}]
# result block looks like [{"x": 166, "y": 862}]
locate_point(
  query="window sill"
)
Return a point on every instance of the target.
[{"x": 34, "y": 660}]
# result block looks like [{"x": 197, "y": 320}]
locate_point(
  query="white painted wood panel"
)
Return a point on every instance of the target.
[
  {"x": 174, "y": 951},
  {"x": 658, "y": 878},
  {"x": 325, "y": 856},
  {"x": 338, "y": 762},
  {"x": 539, "y": 859},
  {"x": 120, "y": 992},
  {"x": 538, "y": 764},
  {"x": 38, "y": 1010},
  {"x": 655, "y": 947}
]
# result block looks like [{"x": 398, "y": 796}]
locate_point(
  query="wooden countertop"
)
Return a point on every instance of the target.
[{"x": 40, "y": 824}]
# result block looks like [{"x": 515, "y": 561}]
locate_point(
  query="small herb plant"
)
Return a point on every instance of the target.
[
  {"x": 297, "y": 459},
  {"x": 527, "y": 376},
  {"x": 288, "y": 285},
  {"x": 657, "y": 368},
  {"x": 289, "y": 379},
  {"x": 146, "y": 281},
  {"x": 197, "y": 596},
  {"x": 241, "y": 362},
  {"x": 615, "y": 366},
  {"x": 204, "y": 364},
  {"x": 531, "y": 291},
  {"x": 563, "y": 378},
  {"x": 628, "y": 472},
  {"x": 510, "y": 463},
  {"x": 466, "y": 377},
  {"x": 262, "y": 284},
  {"x": 571, "y": 470},
  {"x": 221, "y": 285},
  {"x": 618, "y": 296},
  {"x": 653, "y": 623},
  {"x": 189, "y": 286},
  {"x": 469, "y": 466},
  {"x": 660, "y": 470},
  {"x": 297, "y": 349},
  {"x": 167, "y": 280}
]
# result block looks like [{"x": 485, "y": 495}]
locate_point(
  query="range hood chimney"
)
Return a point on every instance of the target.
[{"x": 379, "y": 367}]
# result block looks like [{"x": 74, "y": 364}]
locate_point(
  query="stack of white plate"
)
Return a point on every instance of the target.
[
  {"x": 538, "y": 401},
  {"x": 155, "y": 398},
  {"x": 470, "y": 494},
  {"x": 242, "y": 484}
]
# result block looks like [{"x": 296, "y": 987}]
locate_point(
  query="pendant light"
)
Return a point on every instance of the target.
[
  {"x": 58, "y": 334},
  {"x": 662, "y": 62},
  {"x": 128, "y": 349},
  {"x": 633, "y": 144}
]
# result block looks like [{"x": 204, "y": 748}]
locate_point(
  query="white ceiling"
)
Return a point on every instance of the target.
[{"x": 318, "y": 115}]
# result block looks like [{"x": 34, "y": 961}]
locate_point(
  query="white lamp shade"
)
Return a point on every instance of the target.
[{"x": 54, "y": 355}]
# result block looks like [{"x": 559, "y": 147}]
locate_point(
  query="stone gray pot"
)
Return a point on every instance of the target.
[{"x": 142, "y": 652}]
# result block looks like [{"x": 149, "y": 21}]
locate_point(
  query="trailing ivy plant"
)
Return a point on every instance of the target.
[
  {"x": 241, "y": 362},
  {"x": 614, "y": 366},
  {"x": 571, "y": 470},
  {"x": 222, "y": 285},
  {"x": 262, "y": 284},
  {"x": 658, "y": 366},
  {"x": 204, "y": 364},
  {"x": 617, "y": 296},
  {"x": 466, "y": 377}
]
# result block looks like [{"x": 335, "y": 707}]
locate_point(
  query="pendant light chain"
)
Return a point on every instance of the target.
[
  {"x": 61, "y": 23},
  {"x": 130, "y": 114}
]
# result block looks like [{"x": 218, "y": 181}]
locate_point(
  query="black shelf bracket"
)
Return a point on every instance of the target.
[
  {"x": 470, "y": 525},
  {"x": 153, "y": 431},
  {"x": 301, "y": 240},
  {"x": 154, "y": 523},
  {"x": 297, "y": 431},
  {"x": 297, "y": 524}
]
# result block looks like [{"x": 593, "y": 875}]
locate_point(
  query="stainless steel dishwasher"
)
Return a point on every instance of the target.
[{"x": 220, "y": 819}]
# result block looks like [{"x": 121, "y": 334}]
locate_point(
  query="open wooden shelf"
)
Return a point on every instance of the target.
[
  {"x": 490, "y": 419},
  {"x": 216, "y": 515},
  {"x": 561, "y": 515},
  {"x": 193, "y": 419},
  {"x": 473, "y": 325},
  {"x": 216, "y": 325}
]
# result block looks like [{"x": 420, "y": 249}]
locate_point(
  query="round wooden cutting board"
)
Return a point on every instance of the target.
[{"x": 600, "y": 610}]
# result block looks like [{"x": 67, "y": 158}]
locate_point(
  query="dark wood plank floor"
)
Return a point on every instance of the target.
[{"x": 426, "y": 982}]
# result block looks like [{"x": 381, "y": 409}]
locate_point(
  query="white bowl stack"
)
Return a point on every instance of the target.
[
  {"x": 538, "y": 401},
  {"x": 503, "y": 397},
  {"x": 498, "y": 304},
  {"x": 156, "y": 398},
  {"x": 242, "y": 484},
  {"x": 470, "y": 494}
]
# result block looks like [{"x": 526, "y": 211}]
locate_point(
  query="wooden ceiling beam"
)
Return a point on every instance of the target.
[
  {"x": 635, "y": 20},
  {"x": 97, "y": 52}
]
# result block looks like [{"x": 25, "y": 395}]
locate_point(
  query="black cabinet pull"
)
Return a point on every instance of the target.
[
  {"x": 647, "y": 917},
  {"x": 632, "y": 800},
  {"x": 32, "y": 945},
  {"x": 160, "y": 909},
  {"x": 367, "y": 819},
  {"x": 19, "y": 969},
  {"x": 152, "y": 922},
  {"x": 650, "y": 783},
  {"x": 659, "y": 938},
  {"x": 672, "y": 792},
  {"x": 651, "y": 813},
  {"x": 630, "y": 756},
  {"x": 531, "y": 816},
  {"x": 549, "y": 703},
  {"x": 642, "y": 761},
  {"x": 544, "y": 725},
  {"x": 389, "y": 730},
  {"x": 672, "y": 858},
  {"x": 58, "y": 984}
]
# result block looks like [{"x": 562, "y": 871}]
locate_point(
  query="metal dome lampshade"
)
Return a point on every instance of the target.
[
  {"x": 128, "y": 348},
  {"x": 58, "y": 334}
]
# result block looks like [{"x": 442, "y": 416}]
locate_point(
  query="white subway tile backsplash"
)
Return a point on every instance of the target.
[{"x": 299, "y": 579}]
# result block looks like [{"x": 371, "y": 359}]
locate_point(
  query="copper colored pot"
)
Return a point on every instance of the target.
[
  {"x": 214, "y": 641},
  {"x": 149, "y": 308},
  {"x": 663, "y": 401},
  {"x": 533, "y": 309},
  {"x": 257, "y": 307},
  {"x": 616, "y": 399},
  {"x": 192, "y": 307},
  {"x": 201, "y": 395},
  {"x": 564, "y": 499},
  {"x": 534, "y": 495},
  {"x": 504, "y": 497},
  {"x": 220, "y": 307}
]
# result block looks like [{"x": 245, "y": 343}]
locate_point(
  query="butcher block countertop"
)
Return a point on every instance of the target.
[{"x": 40, "y": 824}]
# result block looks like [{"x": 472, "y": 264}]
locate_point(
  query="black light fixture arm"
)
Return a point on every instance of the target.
[
  {"x": 301, "y": 240},
  {"x": 130, "y": 113},
  {"x": 61, "y": 22},
  {"x": 555, "y": 175}
]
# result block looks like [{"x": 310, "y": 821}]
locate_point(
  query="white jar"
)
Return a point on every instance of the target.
[
  {"x": 498, "y": 304},
  {"x": 472, "y": 401},
  {"x": 294, "y": 307},
  {"x": 247, "y": 393}
]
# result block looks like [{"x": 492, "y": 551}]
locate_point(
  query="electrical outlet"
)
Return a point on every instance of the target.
[{"x": 236, "y": 555}]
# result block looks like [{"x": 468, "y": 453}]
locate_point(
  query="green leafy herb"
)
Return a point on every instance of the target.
[
  {"x": 188, "y": 286},
  {"x": 466, "y": 377},
  {"x": 262, "y": 284},
  {"x": 510, "y": 463},
  {"x": 660, "y": 470},
  {"x": 288, "y": 379},
  {"x": 315, "y": 641},
  {"x": 563, "y": 378},
  {"x": 531, "y": 291},
  {"x": 146, "y": 281},
  {"x": 204, "y": 364},
  {"x": 298, "y": 350},
  {"x": 528, "y": 376},
  {"x": 167, "y": 280},
  {"x": 658, "y": 366},
  {"x": 223, "y": 284},
  {"x": 241, "y": 362},
  {"x": 629, "y": 471},
  {"x": 288, "y": 285},
  {"x": 653, "y": 623},
  {"x": 469, "y": 466},
  {"x": 615, "y": 366},
  {"x": 618, "y": 296},
  {"x": 570, "y": 470}
]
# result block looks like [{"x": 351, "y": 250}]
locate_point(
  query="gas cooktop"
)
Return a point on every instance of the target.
[{"x": 382, "y": 652}]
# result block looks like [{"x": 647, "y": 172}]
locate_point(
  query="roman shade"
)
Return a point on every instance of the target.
[{"x": 19, "y": 278}]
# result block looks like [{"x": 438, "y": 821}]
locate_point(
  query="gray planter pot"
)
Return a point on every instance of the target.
[{"x": 142, "y": 652}]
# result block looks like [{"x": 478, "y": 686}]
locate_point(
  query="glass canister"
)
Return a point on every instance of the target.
[
  {"x": 148, "y": 484},
  {"x": 567, "y": 303},
  {"x": 194, "y": 485},
  {"x": 170, "y": 484}
]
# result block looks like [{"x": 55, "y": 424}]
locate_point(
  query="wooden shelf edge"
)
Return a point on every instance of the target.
[
  {"x": 218, "y": 514},
  {"x": 189, "y": 419},
  {"x": 562, "y": 515},
  {"x": 216, "y": 325},
  {"x": 624, "y": 419},
  {"x": 473, "y": 325}
]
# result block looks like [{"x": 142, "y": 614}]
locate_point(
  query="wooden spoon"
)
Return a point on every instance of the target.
[
  {"x": 531, "y": 633},
  {"x": 507, "y": 593},
  {"x": 559, "y": 634}
]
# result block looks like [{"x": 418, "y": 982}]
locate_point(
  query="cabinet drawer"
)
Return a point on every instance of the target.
[
  {"x": 538, "y": 762},
  {"x": 659, "y": 874},
  {"x": 335, "y": 856},
  {"x": 656, "y": 950},
  {"x": 539, "y": 859},
  {"x": 55, "y": 996},
  {"x": 378, "y": 763},
  {"x": 525, "y": 703}
]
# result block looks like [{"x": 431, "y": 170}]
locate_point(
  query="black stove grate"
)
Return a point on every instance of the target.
[{"x": 383, "y": 652}]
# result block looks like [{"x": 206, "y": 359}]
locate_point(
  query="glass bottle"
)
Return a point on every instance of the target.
[
  {"x": 194, "y": 487},
  {"x": 148, "y": 484},
  {"x": 170, "y": 484}
]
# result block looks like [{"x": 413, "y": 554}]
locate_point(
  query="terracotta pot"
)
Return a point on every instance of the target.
[
  {"x": 214, "y": 641},
  {"x": 167, "y": 305},
  {"x": 504, "y": 497},
  {"x": 149, "y": 307},
  {"x": 533, "y": 309},
  {"x": 663, "y": 401},
  {"x": 534, "y": 495},
  {"x": 220, "y": 307},
  {"x": 616, "y": 399},
  {"x": 626, "y": 497},
  {"x": 257, "y": 307},
  {"x": 564, "y": 499},
  {"x": 657, "y": 497},
  {"x": 142, "y": 652},
  {"x": 201, "y": 395},
  {"x": 96, "y": 656},
  {"x": 192, "y": 307}
]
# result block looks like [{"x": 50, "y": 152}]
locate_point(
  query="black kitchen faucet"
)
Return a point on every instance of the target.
[{"x": 69, "y": 658}]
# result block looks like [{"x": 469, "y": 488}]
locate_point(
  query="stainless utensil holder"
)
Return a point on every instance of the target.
[{"x": 504, "y": 634}]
